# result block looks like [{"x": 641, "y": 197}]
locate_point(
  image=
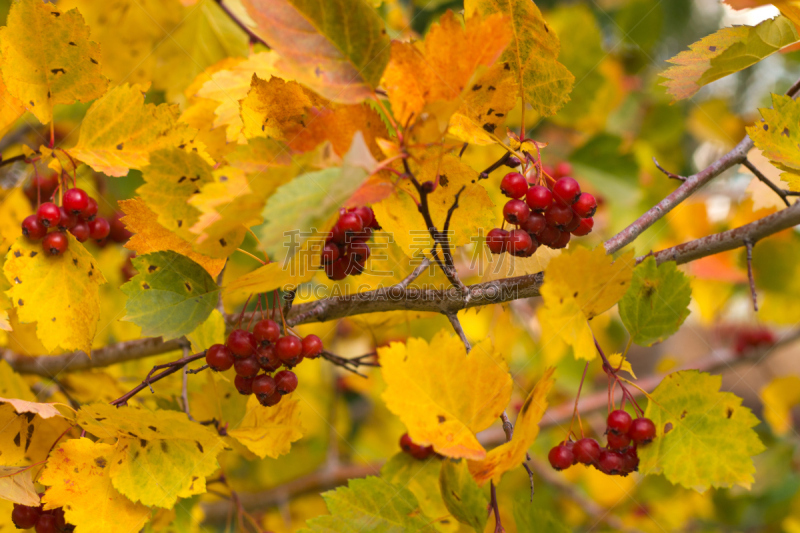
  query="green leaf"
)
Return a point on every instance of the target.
[
  {"x": 727, "y": 51},
  {"x": 371, "y": 504},
  {"x": 343, "y": 51},
  {"x": 170, "y": 296},
  {"x": 529, "y": 517},
  {"x": 533, "y": 53},
  {"x": 657, "y": 302},
  {"x": 704, "y": 437},
  {"x": 420, "y": 477},
  {"x": 778, "y": 137},
  {"x": 308, "y": 201},
  {"x": 462, "y": 496}
]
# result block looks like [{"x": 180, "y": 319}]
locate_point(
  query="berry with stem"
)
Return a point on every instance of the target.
[
  {"x": 286, "y": 381},
  {"x": 642, "y": 431},
  {"x": 586, "y": 451},
  {"x": 312, "y": 346},
  {"x": 241, "y": 343},
  {"x": 514, "y": 185},
  {"x": 497, "y": 240},
  {"x": 566, "y": 191},
  {"x": 288, "y": 348},
  {"x": 518, "y": 242},
  {"x": 516, "y": 212},
  {"x": 266, "y": 331},
  {"x": 75, "y": 200},
  {"x": 585, "y": 206},
  {"x": 49, "y": 214},
  {"x": 243, "y": 385},
  {"x": 538, "y": 198},
  {"x": 219, "y": 358},
  {"x": 619, "y": 422},
  {"x": 560, "y": 457},
  {"x": 55, "y": 243}
]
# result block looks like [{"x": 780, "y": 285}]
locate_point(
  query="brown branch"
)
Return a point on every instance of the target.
[
  {"x": 169, "y": 369},
  {"x": 453, "y": 318},
  {"x": 350, "y": 364},
  {"x": 749, "y": 244},
  {"x": 254, "y": 37},
  {"x": 498, "y": 527},
  {"x": 10, "y": 160},
  {"x": 766, "y": 181},
  {"x": 669, "y": 174}
]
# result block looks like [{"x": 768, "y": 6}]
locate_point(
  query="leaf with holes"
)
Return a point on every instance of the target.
[
  {"x": 170, "y": 296},
  {"x": 704, "y": 437},
  {"x": 778, "y": 137},
  {"x": 27, "y": 436},
  {"x": 485, "y": 105},
  {"x": 59, "y": 293}
]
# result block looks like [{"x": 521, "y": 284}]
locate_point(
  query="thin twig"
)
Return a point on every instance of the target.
[
  {"x": 170, "y": 368},
  {"x": 10, "y": 160},
  {"x": 185, "y": 387},
  {"x": 766, "y": 181},
  {"x": 414, "y": 275},
  {"x": 494, "y": 166},
  {"x": 749, "y": 244},
  {"x": 667, "y": 172},
  {"x": 350, "y": 364},
  {"x": 457, "y": 326},
  {"x": 498, "y": 526},
  {"x": 254, "y": 38}
]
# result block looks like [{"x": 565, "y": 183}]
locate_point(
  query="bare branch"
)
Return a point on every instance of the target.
[
  {"x": 415, "y": 274},
  {"x": 667, "y": 172},
  {"x": 453, "y": 318},
  {"x": 749, "y": 244},
  {"x": 170, "y": 368},
  {"x": 766, "y": 181}
]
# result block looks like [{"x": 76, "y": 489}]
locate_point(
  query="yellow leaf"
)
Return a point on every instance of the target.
[
  {"x": 57, "y": 160},
  {"x": 120, "y": 131},
  {"x": 778, "y": 397},
  {"x": 526, "y": 428},
  {"x": 27, "y": 438},
  {"x": 616, "y": 358},
  {"x": 16, "y": 486},
  {"x": 12, "y": 385},
  {"x": 59, "y": 293},
  {"x": 275, "y": 275},
  {"x": 78, "y": 478},
  {"x": 10, "y": 108},
  {"x": 48, "y": 58},
  {"x": 210, "y": 332},
  {"x": 485, "y": 106},
  {"x": 274, "y": 106},
  {"x": 442, "y": 67},
  {"x": 45, "y": 410},
  {"x": 563, "y": 324},
  {"x": 150, "y": 236},
  {"x": 270, "y": 431},
  {"x": 501, "y": 266},
  {"x": 431, "y": 387},
  {"x": 14, "y": 207}
]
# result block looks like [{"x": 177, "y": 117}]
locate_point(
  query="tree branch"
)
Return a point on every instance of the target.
[
  {"x": 254, "y": 38},
  {"x": 766, "y": 181}
]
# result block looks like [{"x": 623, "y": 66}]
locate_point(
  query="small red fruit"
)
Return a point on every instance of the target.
[
  {"x": 47, "y": 523},
  {"x": 619, "y": 422},
  {"x": 243, "y": 385},
  {"x": 618, "y": 442},
  {"x": 366, "y": 214},
  {"x": 350, "y": 223},
  {"x": 312, "y": 346},
  {"x": 265, "y": 355},
  {"x": 266, "y": 331},
  {"x": 286, "y": 381},
  {"x": 264, "y": 385},
  {"x": 288, "y": 348},
  {"x": 33, "y": 229},
  {"x": 560, "y": 457},
  {"x": 562, "y": 169},
  {"x": 337, "y": 270},
  {"x": 562, "y": 241},
  {"x": 219, "y": 358},
  {"x": 586, "y": 206},
  {"x": 55, "y": 243},
  {"x": 518, "y": 242},
  {"x": 566, "y": 191},
  {"x": 25, "y": 517},
  {"x": 535, "y": 224},
  {"x": 49, "y": 214},
  {"x": 119, "y": 233},
  {"x": 80, "y": 231},
  {"x": 247, "y": 367},
  {"x": 549, "y": 236},
  {"x": 642, "y": 431},
  {"x": 269, "y": 401},
  {"x": 75, "y": 200},
  {"x": 514, "y": 185},
  {"x": 584, "y": 228},
  {"x": 90, "y": 211},
  {"x": 67, "y": 220},
  {"x": 241, "y": 343},
  {"x": 516, "y": 212},
  {"x": 497, "y": 240},
  {"x": 330, "y": 253},
  {"x": 406, "y": 444},
  {"x": 558, "y": 215},
  {"x": 586, "y": 451},
  {"x": 538, "y": 198},
  {"x": 611, "y": 462},
  {"x": 99, "y": 228}
]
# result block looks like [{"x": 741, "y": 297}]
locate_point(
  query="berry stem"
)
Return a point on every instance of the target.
[
  {"x": 258, "y": 241},
  {"x": 577, "y": 397},
  {"x": 276, "y": 301},
  {"x": 244, "y": 307},
  {"x": 498, "y": 527},
  {"x": 245, "y": 252}
]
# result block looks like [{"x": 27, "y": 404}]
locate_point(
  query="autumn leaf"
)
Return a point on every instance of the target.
[
  {"x": 512, "y": 454},
  {"x": 422, "y": 479},
  {"x": 10, "y": 107},
  {"x": 170, "y": 296},
  {"x": 441, "y": 68},
  {"x": 529, "y": 517},
  {"x": 462, "y": 496},
  {"x": 270, "y": 431},
  {"x": 344, "y": 50},
  {"x": 150, "y": 236},
  {"x": 272, "y": 107},
  {"x": 778, "y": 137},
  {"x": 275, "y": 275},
  {"x": 789, "y": 8},
  {"x": 210, "y": 332},
  {"x": 120, "y": 131},
  {"x": 78, "y": 478},
  {"x": 59, "y": 293},
  {"x": 48, "y": 58},
  {"x": 17, "y": 486},
  {"x": 429, "y": 386},
  {"x": 779, "y": 396},
  {"x": 44, "y": 410},
  {"x": 727, "y": 51},
  {"x": 544, "y": 83},
  {"x": 704, "y": 437},
  {"x": 485, "y": 106}
]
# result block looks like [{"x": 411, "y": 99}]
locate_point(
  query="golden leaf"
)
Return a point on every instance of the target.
[{"x": 270, "y": 431}]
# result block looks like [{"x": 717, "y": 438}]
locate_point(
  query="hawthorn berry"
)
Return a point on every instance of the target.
[
  {"x": 518, "y": 242},
  {"x": 359, "y": 251},
  {"x": 566, "y": 191},
  {"x": 33, "y": 229},
  {"x": 586, "y": 451},
  {"x": 55, "y": 243},
  {"x": 67, "y": 220},
  {"x": 25, "y": 517},
  {"x": 497, "y": 240},
  {"x": 406, "y": 443},
  {"x": 619, "y": 422},
  {"x": 247, "y": 367},
  {"x": 312, "y": 346},
  {"x": 90, "y": 211},
  {"x": 531, "y": 249},
  {"x": 99, "y": 228},
  {"x": 264, "y": 385},
  {"x": 516, "y": 212},
  {"x": 585, "y": 206},
  {"x": 630, "y": 460},
  {"x": 584, "y": 227},
  {"x": 610, "y": 462},
  {"x": 366, "y": 214},
  {"x": 548, "y": 236},
  {"x": 49, "y": 214},
  {"x": 241, "y": 343},
  {"x": 421, "y": 452},
  {"x": 558, "y": 215},
  {"x": 80, "y": 231},
  {"x": 535, "y": 224},
  {"x": 119, "y": 233},
  {"x": 337, "y": 270},
  {"x": 573, "y": 224},
  {"x": 269, "y": 401},
  {"x": 219, "y": 358},
  {"x": 350, "y": 223},
  {"x": 286, "y": 381},
  {"x": 560, "y": 457},
  {"x": 265, "y": 355},
  {"x": 75, "y": 200},
  {"x": 266, "y": 331},
  {"x": 618, "y": 441},
  {"x": 41, "y": 187},
  {"x": 561, "y": 241},
  {"x": 288, "y": 348},
  {"x": 642, "y": 431},
  {"x": 514, "y": 185},
  {"x": 539, "y": 198},
  {"x": 243, "y": 385},
  {"x": 330, "y": 253}
]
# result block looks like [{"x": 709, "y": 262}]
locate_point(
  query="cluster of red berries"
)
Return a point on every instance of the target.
[
  {"x": 749, "y": 338},
  {"x": 77, "y": 214},
  {"x": 620, "y": 456},
  {"x": 263, "y": 349},
  {"x": 51, "y": 521},
  {"x": 546, "y": 213},
  {"x": 346, "y": 250},
  {"x": 415, "y": 450}
]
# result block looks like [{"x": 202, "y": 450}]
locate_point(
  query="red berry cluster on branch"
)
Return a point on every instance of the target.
[
  {"x": 255, "y": 355},
  {"x": 749, "y": 338},
  {"x": 546, "y": 213},
  {"x": 51, "y": 521},
  {"x": 619, "y": 457},
  {"x": 346, "y": 250},
  {"x": 415, "y": 450}
]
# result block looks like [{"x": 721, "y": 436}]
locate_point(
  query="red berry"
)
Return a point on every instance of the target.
[
  {"x": 518, "y": 242},
  {"x": 247, "y": 367},
  {"x": 421, "y": 452},
  {"x": 49, "y": 214},
  {"x": 530, "y": 250},
  {"x": 75, "y": 200},
  {"x": 33, "y": 229},
  {"x": 46, "y": 187},
  {"x": 497, "y": 240},
  {"x": 560, "y": 457},
  {"x": 619, "y": 422},
  {"x": 359, "y": 251},
  {"x": 406, "y": 444},
  {"x": 241, "y": 343},
  {"x": 562, "y": 169},
  {"x": 265, "y": 355},
  {"x": 288, "y": 348},
  {"x": 586, "y": 206},
  {"x": 90, "y": 211},
  {"x": 558, "y": 215},
  {"x": 535, "y": 224},
  {"x": 80, "y": 231},
  {"x": 46, "y": 524},
  {"x": 119, "y": 233},
  {"x": 642, "y": 430},
  {"x": 286, "y": 381},
  {"x": 516, "y": 212},
  {"x": 266, "y": 331},
  {"x": 337, "y": 270},
  {"x": 584, "y": 227},
  {"x": 269, "y": 401},
  {"x": 312, "y": 346},
  {"x": 586, "y": 451},
  {"x": 539, "y": 198},
  {"x": 67, "y": 220},
  {"x": 549, "y": 236},
  {"x": 350, "y": 223},
  {"x": 25, "y": 517},
  {"x": 573, "y": 224},
  {"x": 611, "y": 462},
  {"x": 353, "y": 266},
  {"x": 330, "y": 253},
  {"x": 366, "y": 214},
  {"x": 55, "y": 243},
  {"x": 243, "y": 385},
  {"x": 264, "y": 385},
  {"x": 514, "y": 185},
  {"x": 219, "y": 358},
  {"x": 618, "y": 442},
  {"x": 566, "y": 191},
  {"x": 562, "y": 241},
  {"x": 630, "y": 460},
  {"x": 99, "y": 228}
]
